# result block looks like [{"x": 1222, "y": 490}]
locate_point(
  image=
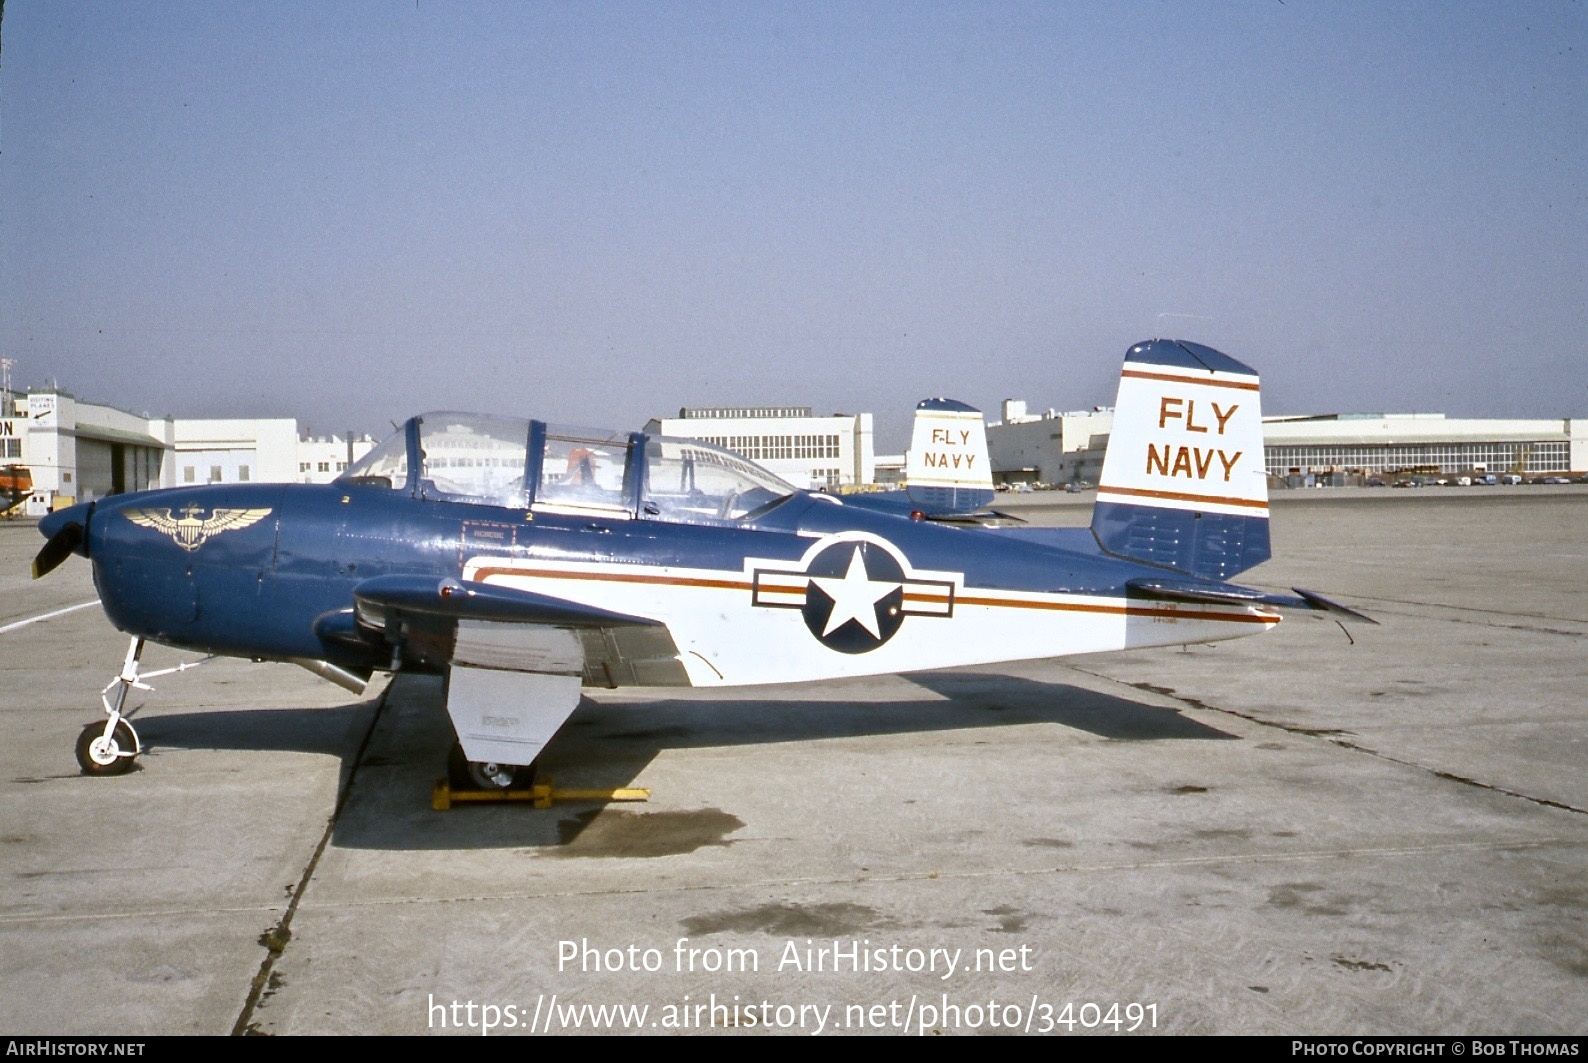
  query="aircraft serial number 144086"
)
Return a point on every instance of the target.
[{"x": 524, "y": 561}]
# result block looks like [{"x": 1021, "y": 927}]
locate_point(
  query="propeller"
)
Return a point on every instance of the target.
[{"x": 61, "y": 545}]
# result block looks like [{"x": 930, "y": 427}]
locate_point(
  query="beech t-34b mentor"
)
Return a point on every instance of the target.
[{"x": 524, "y": 561}]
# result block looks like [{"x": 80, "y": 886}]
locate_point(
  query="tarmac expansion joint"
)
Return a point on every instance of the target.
[{"x": 276, "y": 938}]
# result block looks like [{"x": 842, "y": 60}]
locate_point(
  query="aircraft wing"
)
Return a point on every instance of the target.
[
  {"x": 515, "y": 661},
  {"x": 466, "y": 623}
]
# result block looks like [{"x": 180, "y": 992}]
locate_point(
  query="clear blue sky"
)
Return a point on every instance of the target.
[{"x": 598, "y": 212}]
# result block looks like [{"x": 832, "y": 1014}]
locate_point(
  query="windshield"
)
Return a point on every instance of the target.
[
  {"x": 690, "y": 481},
  {"x": 385, "y": 466}
]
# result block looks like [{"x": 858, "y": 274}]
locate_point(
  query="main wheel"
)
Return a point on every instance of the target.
[
  {"x": 98, "y": 756},
  {"x": 466, "y": 774}
]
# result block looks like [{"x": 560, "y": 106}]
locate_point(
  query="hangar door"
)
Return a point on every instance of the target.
[{"x": 95, "y": 478}]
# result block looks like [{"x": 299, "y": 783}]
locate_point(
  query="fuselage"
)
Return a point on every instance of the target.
[{"x": 810, "y": 588}]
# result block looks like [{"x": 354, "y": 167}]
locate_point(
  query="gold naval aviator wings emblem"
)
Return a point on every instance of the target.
[{"x": 189, "y": 532}]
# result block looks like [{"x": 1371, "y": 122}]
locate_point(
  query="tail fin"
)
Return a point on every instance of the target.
[
  {"x": 1183, "y": 481},
  {"x": 948, "y": 471}
]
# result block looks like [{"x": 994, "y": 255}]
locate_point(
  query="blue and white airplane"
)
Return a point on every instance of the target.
[{"x": 524, "y": 561}]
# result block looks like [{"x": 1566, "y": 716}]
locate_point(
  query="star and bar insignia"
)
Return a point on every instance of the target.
[{"x": 853, "y": 592}]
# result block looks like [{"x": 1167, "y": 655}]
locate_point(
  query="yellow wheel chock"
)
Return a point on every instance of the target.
[{"x": 542, "y": 795}]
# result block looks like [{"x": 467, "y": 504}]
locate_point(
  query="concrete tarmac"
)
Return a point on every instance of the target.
[{"x": 1312, "y": 831}]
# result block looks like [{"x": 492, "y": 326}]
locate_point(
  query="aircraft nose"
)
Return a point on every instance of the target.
[
  {"x": 67, "y": 531},
  {"x": 52, "y": 523}
]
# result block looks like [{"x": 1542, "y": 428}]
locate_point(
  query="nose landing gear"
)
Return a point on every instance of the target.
[{"x": 109, "y": 748}]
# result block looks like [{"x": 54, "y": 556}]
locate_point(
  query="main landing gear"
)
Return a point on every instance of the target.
[
  {"x": 466, "y": 774},
  {"x": 473, "y": 782},
  {"x": 109, "y": 748}
]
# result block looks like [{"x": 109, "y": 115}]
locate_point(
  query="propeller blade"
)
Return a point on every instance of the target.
[{"x": 61, "y": 546}]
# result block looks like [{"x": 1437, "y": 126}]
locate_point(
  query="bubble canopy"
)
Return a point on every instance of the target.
[{"x": 514, "y": 463}]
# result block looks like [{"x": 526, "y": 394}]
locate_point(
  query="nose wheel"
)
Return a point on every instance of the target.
[{"x": 107, "y": 748}]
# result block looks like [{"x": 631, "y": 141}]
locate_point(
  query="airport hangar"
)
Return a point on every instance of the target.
[
  {"x": 832, "y": 452},
  {"x": 1306, "y": 450},
  {"x": 77, "y": 451}
]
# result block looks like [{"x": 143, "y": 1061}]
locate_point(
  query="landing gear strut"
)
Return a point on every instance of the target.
[{"x": 109, "y": 748}]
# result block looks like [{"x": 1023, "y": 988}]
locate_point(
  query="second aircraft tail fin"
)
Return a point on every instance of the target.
[{"x": 947, "y": 471}]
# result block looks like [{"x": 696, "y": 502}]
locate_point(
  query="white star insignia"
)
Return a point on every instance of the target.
[{"x": 855, "y": 597}]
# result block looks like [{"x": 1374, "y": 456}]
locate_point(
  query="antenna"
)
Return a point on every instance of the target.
[{"x": 5, "y": 385}]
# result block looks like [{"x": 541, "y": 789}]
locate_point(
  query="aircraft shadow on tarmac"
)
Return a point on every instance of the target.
[
  {"x": 610, "y": 744},
  {"x": 331, "y": 731}
]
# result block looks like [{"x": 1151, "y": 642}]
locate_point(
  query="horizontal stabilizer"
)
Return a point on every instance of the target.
[
  {"x": 982, "y": 518},
  {"x": 1318, "y": 601},
  {"x": 1173, "y": 590},
  {"x": 1188, "y": 591}
]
